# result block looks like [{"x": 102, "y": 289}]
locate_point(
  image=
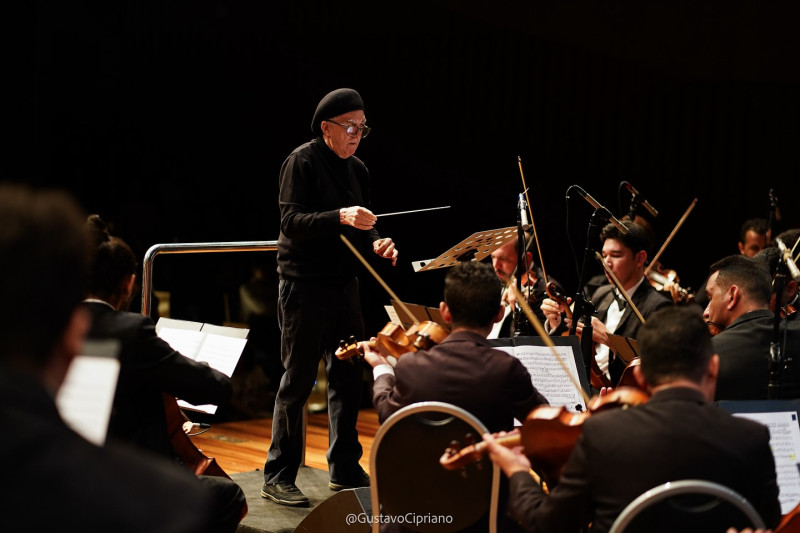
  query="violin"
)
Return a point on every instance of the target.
[
  {"x": 787, "y": 311},
  {"x": 660, "y": 277},
  {"x": 598, "y": 378},
  {"x": 547, "y": 435},
  {"x": 395, "y": 341}
]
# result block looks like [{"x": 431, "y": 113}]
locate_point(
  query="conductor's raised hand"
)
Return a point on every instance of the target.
[
  {"x": 357, "y": 216},
  {"x": 385, "y": 248}
]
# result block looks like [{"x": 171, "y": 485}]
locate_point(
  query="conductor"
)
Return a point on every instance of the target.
[{"x": 324, "y": 192}]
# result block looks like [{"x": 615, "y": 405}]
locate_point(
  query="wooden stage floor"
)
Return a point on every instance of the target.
[{"x": 241, "y": 446}]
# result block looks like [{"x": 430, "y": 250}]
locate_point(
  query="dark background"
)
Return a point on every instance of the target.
[{"x": 171, "y": 120}]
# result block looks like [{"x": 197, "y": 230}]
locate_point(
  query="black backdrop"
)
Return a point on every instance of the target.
[{"x": 171, "y": 119}]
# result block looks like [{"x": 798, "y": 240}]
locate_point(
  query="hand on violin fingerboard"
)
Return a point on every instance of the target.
[
  {"x": 552, "y": 311},
  {"x": 374, "y": 357},
  {"x": 386, "y": 249},
  {"x": 358, "y": 217},
  {"x": 510, "y": 460}
]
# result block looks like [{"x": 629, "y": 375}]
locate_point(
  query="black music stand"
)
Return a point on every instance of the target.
[{"x": 476, "y": 247}]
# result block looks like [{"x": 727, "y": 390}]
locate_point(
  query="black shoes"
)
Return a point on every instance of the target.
[
  {"x": 359, "y": 479},
  {"x": 284, "y": 494}
]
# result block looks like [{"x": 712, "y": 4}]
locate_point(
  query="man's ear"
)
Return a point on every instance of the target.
[
  {"x": 734, "y": 295},
  {"x": 640, "y": 257},
  {"x": 445, "y": 310},
  {"x": 639, "y": 377}
]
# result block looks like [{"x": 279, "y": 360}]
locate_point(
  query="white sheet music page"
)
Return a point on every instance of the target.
[
  {"x": 87, "y": 394},
  {"x": 218, "y": 346},
  {"x": 784, "y": 440},
  {"x": 548, "y": 375}
]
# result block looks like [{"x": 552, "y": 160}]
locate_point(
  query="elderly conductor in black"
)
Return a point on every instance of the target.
[{"x": 324, "y": 192}]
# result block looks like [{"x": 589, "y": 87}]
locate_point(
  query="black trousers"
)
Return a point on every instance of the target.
[{"x": 313, "y": 319}]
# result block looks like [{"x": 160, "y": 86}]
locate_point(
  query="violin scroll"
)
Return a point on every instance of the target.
[{"x": 662, "y": 279}]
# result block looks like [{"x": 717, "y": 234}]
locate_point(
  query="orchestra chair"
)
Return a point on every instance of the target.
[
  {"x": 408, "y": 482},
  {"x": 688, "y": 505}
]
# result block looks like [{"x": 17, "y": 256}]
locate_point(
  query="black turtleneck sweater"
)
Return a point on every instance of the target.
[{"x": 314, "y": 184}]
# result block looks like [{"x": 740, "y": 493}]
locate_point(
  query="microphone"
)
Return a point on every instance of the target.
[
  {"x": 645, "y": 203},
  {"x": 596, "y": 205},
  {"x": 787, "y": 259},
  {"x": 523, "y": 210}
]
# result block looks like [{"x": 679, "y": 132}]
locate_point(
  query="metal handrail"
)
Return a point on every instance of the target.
[{"x": 189, "y": 248}]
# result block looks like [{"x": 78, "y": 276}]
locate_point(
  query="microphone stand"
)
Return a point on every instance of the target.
[
  {"x": 775, "y": 365},
  {"x": 584, "y": 309},
  {"x": 522, "y": 327}
]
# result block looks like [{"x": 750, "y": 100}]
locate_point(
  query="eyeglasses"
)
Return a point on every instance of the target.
[{"x": 353, "y": 129}]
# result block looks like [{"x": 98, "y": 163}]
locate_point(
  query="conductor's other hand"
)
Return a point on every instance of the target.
[
  {"x": 385, "y": 248},
  {"x": 357, "y": 216}
]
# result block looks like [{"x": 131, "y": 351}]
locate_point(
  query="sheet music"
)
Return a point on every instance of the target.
[
  {"x": 784, "y": 433},
  {"x": 548, "y": 376},
  {"x": 87, "y": 394},
  {"x": 393, "y": 316},
  {"x": 218, "y": 346}
]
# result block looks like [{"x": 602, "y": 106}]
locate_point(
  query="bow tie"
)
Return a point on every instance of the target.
[{"x": 621, "y": 301}]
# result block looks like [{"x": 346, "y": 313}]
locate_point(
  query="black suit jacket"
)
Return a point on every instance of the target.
[
  {"x": 744, "y": 353},
  {"x": 646, "y": 299},
  {"x": 150, "y": 367},
  {"x": 465, "y": 371},
  {"x": 622, "y": 453},
  {"x": 94, "y": 490}
]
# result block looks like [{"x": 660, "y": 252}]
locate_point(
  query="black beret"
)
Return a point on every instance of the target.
[{"x": 333, "y": 104}]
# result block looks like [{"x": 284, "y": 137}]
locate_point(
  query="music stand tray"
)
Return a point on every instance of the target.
[{"x": 474, "y": 248}]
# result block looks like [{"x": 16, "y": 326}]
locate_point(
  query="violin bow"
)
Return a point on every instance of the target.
[
  {"x": 548, "y": 341},
  {"x": 672, "y": 234},
  {"x": 377, "y": 277},
  {"x": 618, "y": 285},
  {"x": 533, "y": 224}
]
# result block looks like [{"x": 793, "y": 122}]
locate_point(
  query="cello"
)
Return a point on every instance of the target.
[{"x": 189, "y": 454}]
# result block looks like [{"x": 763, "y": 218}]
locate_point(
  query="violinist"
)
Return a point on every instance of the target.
[
  {"x": 463, "y": 369},
  {"x": 625, "y": 255},
  {"x": 149, "y": 367},
  {"x": 678, "y": 434},
  {"x": 790, "y": 298},
  {"x": 739, "y": 290},
  {"x": 505, "y": 261}
]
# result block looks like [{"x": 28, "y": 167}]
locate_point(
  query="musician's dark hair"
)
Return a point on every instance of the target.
[
  {"x": 758, "y": 225},
  {"x": 111, "y": 260},
  {"x": 472, "y": 292},
  {"x": 674, "y": 343},
  {"x": 750, "y": 275},
  {"x": 771, "y": 257},
  {"x": 42, "y": 272},
  {"x": 636, "y": 239}
]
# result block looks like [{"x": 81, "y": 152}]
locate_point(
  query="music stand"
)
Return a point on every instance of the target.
[
  {"x": 420, "y": 313},
  {"x": 476, "y": 247}
]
